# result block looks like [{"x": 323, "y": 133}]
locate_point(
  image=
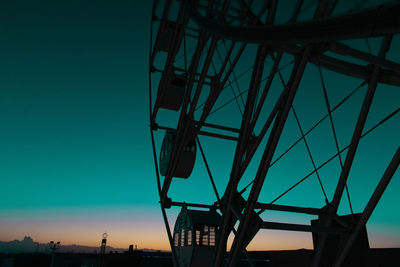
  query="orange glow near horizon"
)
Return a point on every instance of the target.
[
  {"x": 145, "y": 234},
  {"x": 150, "y": 234},
  {"x": 120, "y": 234}
]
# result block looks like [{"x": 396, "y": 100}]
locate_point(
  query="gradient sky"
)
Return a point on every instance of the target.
[{"x": 75, "y": 149}]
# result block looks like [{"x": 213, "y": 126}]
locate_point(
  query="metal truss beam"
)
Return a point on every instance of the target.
[
  {"x": 357, "y": 134},
  {"x": 373, "y": 201},
  {"x": 221, "y": 136},
  {"x": 194, "y": 205},
  {"x": 220, "y": 127},
  {"x": 253, "y": 148},
  {"x": 266, "y": 90},
  {"x": 215, "y": 92},
  {"x": 355, "y": 141},
  {"x": 371, "y": 59},
  {"x": 297, "y": 227},
  {"x": 178, "y": 69},
  {"x": 373, "y": 82},
  {"x": 266, "y": 206},
  {"x": 386, "y": 76},
  {"x": 208, "y": 171},
  {"x": 216, "y": 135},
  {"x": 371, "y": 23},
  {"x": 347, "y": 164},
  {"x": 244, "y": 137},
  {"x": 297, "y": 73}
]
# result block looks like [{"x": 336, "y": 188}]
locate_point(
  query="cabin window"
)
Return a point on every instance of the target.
[
  {"x": 204, "y": 239},
  {"x": 176, "y": 239},
  {"x": 189, "y": 237},
  {"x": 197, "y": 237},
  {"x": 212, "y": 236},
  {"x": 182, "y": 238},
  {"x": 205, "y": 235}
]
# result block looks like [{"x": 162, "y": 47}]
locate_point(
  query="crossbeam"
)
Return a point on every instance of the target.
[
  {"x": 297, "y": 227},
  {"x": 266, "y": 206}
]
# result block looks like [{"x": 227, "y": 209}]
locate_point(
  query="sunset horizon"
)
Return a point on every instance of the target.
[{"x": 200, "y": 128}]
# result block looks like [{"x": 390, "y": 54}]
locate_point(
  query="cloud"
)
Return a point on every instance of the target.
[{"x": 26, "y": 245}]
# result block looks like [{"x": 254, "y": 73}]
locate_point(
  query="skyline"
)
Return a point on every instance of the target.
[{"x": 75, "y": 146}]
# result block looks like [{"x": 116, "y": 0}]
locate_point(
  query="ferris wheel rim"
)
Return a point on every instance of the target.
[{"x": 349, "y": 26}]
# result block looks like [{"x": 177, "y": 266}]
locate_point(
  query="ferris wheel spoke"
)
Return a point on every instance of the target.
[
  {"x": 369, "y": 208},
  {"x": 208, "y": 171},
  {"x": 267, "y": 87},
  {"x": 297, "y": 73},
  {"x": 213, "y": 96},
  {"x": 357, "y": 133},
  {"x": 373, "y": 82},
  {"x": 246, "y": 91},
  {"x": 234, "y": 79},
  {"x": 239, "y": 152},
  {"x": 272, "y": 116},
  {"x": 310, "y": 155},
  {"x": 233, "y": 91},
  {"x": 334, "y": 132},
  {"x": 227, "y": 57},
  {"x": 332, "y": 157},
  {"x": 305, "y": 143}
]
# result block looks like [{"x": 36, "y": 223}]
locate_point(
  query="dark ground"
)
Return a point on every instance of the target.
[{"x": 295, "y": 258}]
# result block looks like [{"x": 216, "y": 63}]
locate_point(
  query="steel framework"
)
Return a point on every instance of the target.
[{"x": 207, "y": 43}]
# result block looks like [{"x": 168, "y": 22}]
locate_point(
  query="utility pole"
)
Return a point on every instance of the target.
[
  {"x": 103, "y": 249},
  {"x": 53, "y": 247}
]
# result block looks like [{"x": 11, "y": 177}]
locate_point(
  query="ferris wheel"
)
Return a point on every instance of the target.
[{"x": 280, "y": 106}]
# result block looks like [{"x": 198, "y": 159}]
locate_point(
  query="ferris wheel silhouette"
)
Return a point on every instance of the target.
[{"x": 290, "y": 90}]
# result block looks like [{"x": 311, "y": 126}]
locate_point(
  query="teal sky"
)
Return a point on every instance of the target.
[
  {"x": 75, "y": 151},
  {"x": 73, "y": 118},
  {"x": 73, "y": 113}
]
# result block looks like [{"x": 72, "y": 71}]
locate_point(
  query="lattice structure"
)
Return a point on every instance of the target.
[{"x": 267, "y": 78}]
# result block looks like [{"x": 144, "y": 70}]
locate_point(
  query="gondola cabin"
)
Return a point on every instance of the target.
[
  {"x": 171, "y": 92},
  {"x": 186, "y": 160},
  {"x": 166, "y": 36},
  {"x": 195, "y": 237}
]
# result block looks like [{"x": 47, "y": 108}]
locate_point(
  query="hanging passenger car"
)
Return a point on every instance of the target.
[
  {"x": 195, "y": 237},
  {"x": 166, "y": 36},
  {"x": 186, "y": 160},
  {"x": 171, "y": 91}
]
